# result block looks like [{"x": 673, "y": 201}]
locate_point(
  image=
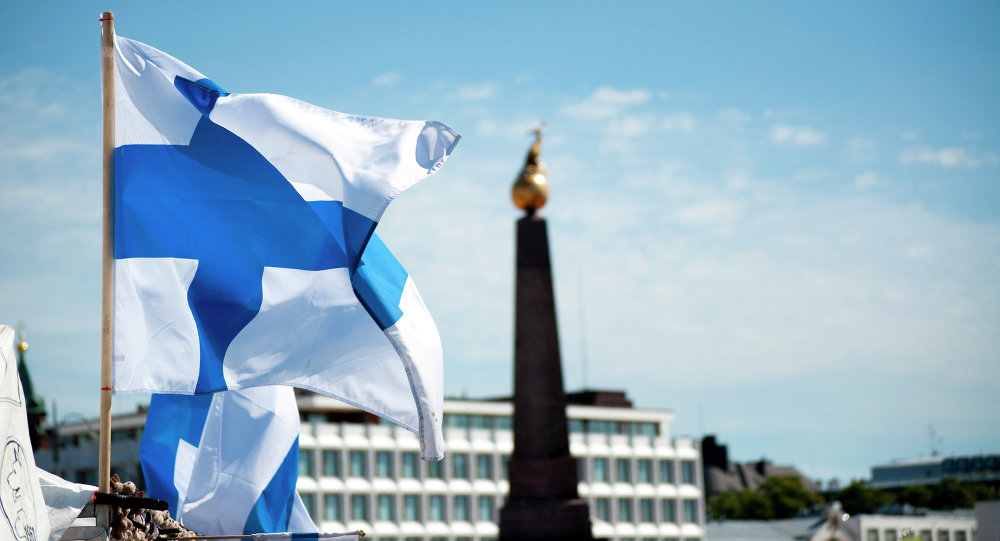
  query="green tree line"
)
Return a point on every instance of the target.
[{"x": 786, "y": 496}]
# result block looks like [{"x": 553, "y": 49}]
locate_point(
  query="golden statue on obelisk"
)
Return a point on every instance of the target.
[{"x": 531, "y": 189}]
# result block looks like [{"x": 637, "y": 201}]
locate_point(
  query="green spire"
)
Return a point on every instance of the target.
[{"x": 34, "y": 403}]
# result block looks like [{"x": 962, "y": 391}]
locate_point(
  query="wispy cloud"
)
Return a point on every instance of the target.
[
  {"x": 387, "y": 79},
  {"x": 866, "y": 180},
  {"x": 606, "y": 102},
  {"x": 680, "y": 122},
  {"x": 948, "y": 157},
  {"x": 474, "y": 92},
  {"x": 799, "y": 136}
]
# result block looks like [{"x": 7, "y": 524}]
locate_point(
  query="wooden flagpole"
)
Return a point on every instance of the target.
[{"x": 107, "y": 256}]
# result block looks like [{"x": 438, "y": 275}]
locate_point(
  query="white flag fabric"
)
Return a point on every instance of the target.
[
  {"x": 226, "y": 463},
  {"x": 25, "y": 517},
  {"x": 64, "y": 500},
  {"x": 241, "y": 222}
]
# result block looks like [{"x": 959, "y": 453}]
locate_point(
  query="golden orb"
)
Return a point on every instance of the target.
[
  {"x": 22, "y": 346},
  {"x": 531, "y": 189}
]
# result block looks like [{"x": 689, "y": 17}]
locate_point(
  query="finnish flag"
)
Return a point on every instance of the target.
[
  {"x": 244, "y": 246},
  {"x": 226, "y": 463}
]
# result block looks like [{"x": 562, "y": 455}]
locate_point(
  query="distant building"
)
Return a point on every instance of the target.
[
  {"x": 834, "y": 525},
  {"x": 930, "y": 470},
  {"x": 721, "y": 474},
  {"x": 358, "y": 472}
]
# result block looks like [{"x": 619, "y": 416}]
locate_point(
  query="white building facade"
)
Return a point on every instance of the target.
[{"x": 640, "y": 484}]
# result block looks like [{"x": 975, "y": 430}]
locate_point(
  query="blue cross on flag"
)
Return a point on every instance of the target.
[{"x": 244, "y": 246}]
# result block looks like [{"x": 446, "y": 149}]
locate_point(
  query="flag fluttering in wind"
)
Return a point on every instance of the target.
[
  {"x": 244, "y": 247},
  {"x": 226, "y": 462}
]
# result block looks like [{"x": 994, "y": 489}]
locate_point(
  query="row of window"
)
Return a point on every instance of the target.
[
  {"x": 575, "y": 426},
  {"x": 482, "y": 466},
  {"x": 337, "y": 507},
  {"x": 411, "y": 508},
  {"x": 643, "y": 510},
  {"x": 644, "y": 470},
  {"x": 892, "y": 534}
]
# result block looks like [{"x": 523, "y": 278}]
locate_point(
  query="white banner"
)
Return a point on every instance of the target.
[{"x": 23, "y": 508}]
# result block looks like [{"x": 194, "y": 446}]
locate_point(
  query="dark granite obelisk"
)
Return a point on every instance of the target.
[{"x": 543, "y": 502}]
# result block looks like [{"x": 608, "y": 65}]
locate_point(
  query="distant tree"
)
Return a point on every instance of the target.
[
  {"x": 725, "y": 505},
  {"x": 982, "y": 492},
  {"x": 788, "y": 495},
  {"x": 949, "y": 494},
  {"x": 757, "y": 506},
  {"x": 915, "y": 495},
  {"x": 740, "y": 505},
  {"x": 859, "y": 498}
]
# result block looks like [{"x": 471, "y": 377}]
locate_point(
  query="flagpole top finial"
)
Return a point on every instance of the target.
[{"x": 531, "y": 189}]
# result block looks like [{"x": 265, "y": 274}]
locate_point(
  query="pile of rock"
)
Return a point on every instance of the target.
[{"x": 141, "y": 524}]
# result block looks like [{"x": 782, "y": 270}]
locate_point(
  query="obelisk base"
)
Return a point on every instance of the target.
[{"x": 548, "y": 520}]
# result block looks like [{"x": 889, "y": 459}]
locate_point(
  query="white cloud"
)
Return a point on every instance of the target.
[
  {"x": 866, "y": 180},
  {"x": 800, "y": 136},
  {"x": 682, "y": 122},
  {"x": 606, "y": 102},
  {"x": 859, "y": 150},
  {"x": 630, "y": 126},
  {"x": 734, "y": 116},
  {"x": 387, "y": 79},
  {"x": 709, "y": 213},
  {"x": 948, "y": 157},
  {"x": 474, "y": 92}
]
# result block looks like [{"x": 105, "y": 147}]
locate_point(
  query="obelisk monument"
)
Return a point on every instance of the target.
[{"x": 543, "y": 502}]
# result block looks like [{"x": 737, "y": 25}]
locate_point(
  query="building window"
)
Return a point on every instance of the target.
[
  {"x": 890, "y": 534},
  {"x": 872, "y": 535},
  {"x": 623, "y": 470},
  {"x": 359, "y": 507},
  {"x": 942, "y": 535},
  {"x": 409, "y": 460},
  {"x": 504, "y": 462},
  {"x": 667, "y": 471},
  {"x": 411, "y": 507},
  {"x": 359, "y": 464},
  {"x": 383, "y": 464},
  {"x": 386, "y": 509},
  {"x": 502, "y": 422},
  {"x": 925, "y": 535},
  {"x": 646, "y": 510},
  {"x": 600, "y": 470},
  {"x": 603, "y": 509},
  {"x": 481, "y": 422},
  {"x": 435, "y": 470},
  {"x": 485, "y": 505},
  {"x": 462, "y": 508},
  {"x": 959, "y": 535},
  {"x": 690, "y": 510},
  {"x": 645, "y": 470},
  {"x": 668, "y": 511},
  {"x": 456, "y": 421},
  {"x": 309, "y": 501},
  {"x": 331, "y": 463},
  {"x": 436, "y": 507},
  {"x": 331, "y": 507},
  {"x": 484, "y": 467},
  {"x": 459, "y": 466},
  {"x": 687, "y": 472},
  {"x": 305, "y": 463},
  {"x": 624, "y": 510},
  {"x": 575, "y": 426}
]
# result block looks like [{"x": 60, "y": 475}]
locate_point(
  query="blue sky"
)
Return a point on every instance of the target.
[{"x": 780, "y": 220}]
